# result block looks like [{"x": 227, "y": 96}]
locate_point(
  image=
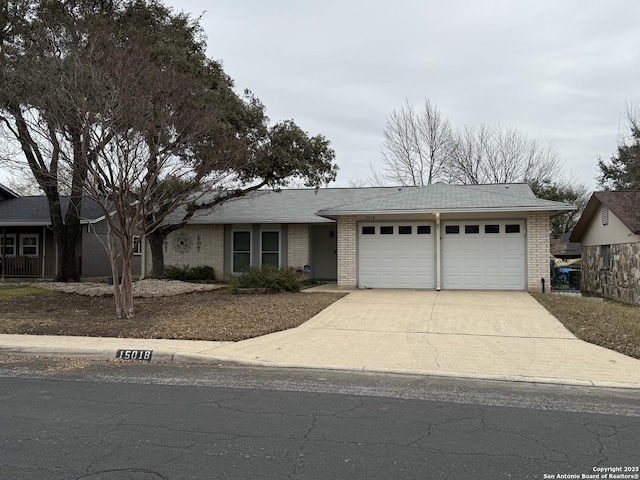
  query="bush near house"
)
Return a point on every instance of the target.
[
  {"x": 190, "y": 274},
  {"x": 269, "y": 277}
]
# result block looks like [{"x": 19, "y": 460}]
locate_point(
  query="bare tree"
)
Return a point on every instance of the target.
[
  {"x": 417, "y": 146},
  {"x": 500, "y": 154}
]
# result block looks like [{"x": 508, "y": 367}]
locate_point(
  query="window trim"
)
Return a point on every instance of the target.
[
  {"x": 279, "y": 252},
  {"x": 233, "y": 250},
  {"x": 137, "y": 245},
  {"x": 607, "y": 259},
  {"x": 24, "y": 236},
  {"x": 14, "y": 246}
]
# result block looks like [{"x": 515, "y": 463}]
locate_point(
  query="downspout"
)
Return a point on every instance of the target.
[{"x": 438, "y": 262}]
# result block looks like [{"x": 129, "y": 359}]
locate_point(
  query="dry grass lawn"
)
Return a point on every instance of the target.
[
  {"x": 612, "y": 325},
  {"x": 216, "y": 315}
]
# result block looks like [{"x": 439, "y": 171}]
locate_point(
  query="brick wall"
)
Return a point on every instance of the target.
[
  {"x": 298, "y": 245},
  {"x": 194, "y": 245},
  {"x": 347, "y": 259},
  {"x": 538, "y": 251}
]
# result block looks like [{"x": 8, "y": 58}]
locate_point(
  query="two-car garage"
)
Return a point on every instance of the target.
[{"x": 474, "y": 255}]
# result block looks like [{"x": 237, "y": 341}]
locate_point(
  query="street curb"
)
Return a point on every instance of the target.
[{"x": 160, "y": 356}]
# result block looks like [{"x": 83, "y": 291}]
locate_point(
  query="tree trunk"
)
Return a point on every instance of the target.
[{"x": 156, "y": 242}]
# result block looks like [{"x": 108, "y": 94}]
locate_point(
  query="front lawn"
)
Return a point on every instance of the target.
[
  {"x": 216, "y": 315},
  {"x": 609, "y": 324}
]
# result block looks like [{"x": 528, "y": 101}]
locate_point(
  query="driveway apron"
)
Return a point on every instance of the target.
[{"x": 475, "y": 334}]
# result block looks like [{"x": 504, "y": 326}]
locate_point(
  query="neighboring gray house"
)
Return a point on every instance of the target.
[
  {"x": 433, "y": 237},
  {"x": 609, "y": 230},
  {"x": 27, "y": 246}
]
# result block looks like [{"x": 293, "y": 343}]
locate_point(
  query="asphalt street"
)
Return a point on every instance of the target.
[{"x": 77, "y": 419}]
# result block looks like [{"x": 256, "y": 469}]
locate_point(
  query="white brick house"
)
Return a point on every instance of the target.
[{"x": 434, "y": 237}]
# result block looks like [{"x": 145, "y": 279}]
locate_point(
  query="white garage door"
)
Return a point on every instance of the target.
[
  {"x": 483, "y": 255},
  {"x": 396, "y": 255}
]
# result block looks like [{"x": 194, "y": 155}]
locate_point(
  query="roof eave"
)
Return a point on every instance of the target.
[{"x": 336, "y": 213}]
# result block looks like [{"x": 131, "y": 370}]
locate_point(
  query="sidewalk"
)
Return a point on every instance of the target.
[{"x": 485, "y": 335}]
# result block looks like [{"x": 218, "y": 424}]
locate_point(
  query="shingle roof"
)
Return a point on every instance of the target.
[
  {"x": 35, "y": 210},
  {"x": 451, "y": 198},
  {"x": 285, "y": 206},
  {"x": 6, "y": 192},
  {"x": 309, "y": 206},
  {"x": 624, "y": 205}
]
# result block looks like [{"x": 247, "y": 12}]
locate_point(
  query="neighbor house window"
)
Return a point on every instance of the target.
[
  {"x": 270, "y": 242},
  {"x": 512, "y": 228},
  {"x": 28, "y": 244},
  {"x": 241, "y": 251},
  {"x": 605, "y": 255},
  {"x": 10, "y": 248},
  {"x": 452, "y": 229},
  {"x": 137, "y": 245}
]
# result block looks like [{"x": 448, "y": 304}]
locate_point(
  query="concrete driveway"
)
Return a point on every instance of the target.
[{"x": 497, "y": 335}]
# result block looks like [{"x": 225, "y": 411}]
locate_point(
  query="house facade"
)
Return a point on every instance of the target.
[
  {"x": 609, "y": 230},
  {"x": 27, "y": 246},
  {"x": 434, "y": 237}
]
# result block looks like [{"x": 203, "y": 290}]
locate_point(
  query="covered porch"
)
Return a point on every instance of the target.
[{"x": 27, "y": 252}]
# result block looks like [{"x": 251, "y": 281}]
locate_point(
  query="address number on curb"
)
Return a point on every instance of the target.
[{"x": 135, "y": 355}]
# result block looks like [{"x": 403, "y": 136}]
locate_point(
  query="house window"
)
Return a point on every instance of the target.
[
  {"x": 424, "y": 229},
  {"x": 492, "y": 229},
  {"x": 386, "y": 230},
  {"x": 270, "y": 242},
  {"x": 137, "y": 245},
  {"x": 241, "y": 251},
  {"x": 512, "y": 228},
  {"x": 29, "y": 245},
  {"x": 368, "y": 230},
  {"x": 405, "y": 230},
  {"x": 10, "y": 248},
  {"x": 472, "y": 229},
  {"x": 604, "y": 214},
  {"x": 605, "y": 255},
  {"x": 452, "y": 229}
]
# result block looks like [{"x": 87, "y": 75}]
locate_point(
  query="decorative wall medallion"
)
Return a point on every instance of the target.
[{"x": 183, "y": 242}]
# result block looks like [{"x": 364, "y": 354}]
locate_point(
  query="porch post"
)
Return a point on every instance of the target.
[
  {"x": 4, "y": 252},
  {"x": 44, "y": 249}
]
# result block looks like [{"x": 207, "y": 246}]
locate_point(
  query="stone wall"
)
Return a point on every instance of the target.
[
  {"x": 538, "y": 249},
  {"x": 622, "y": 281}
]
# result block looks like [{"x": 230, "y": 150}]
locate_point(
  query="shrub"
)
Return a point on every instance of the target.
[
  {"x": 269, "y": 277},
  {"x": 189, "y": 274}
]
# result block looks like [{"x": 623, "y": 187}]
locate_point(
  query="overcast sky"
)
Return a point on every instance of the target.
[{"x": 559, "y": 70}]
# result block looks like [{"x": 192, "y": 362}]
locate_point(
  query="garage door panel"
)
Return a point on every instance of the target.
[
  {"x": 395, "y": 260},
  {"x": 483, "y": 260}
]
